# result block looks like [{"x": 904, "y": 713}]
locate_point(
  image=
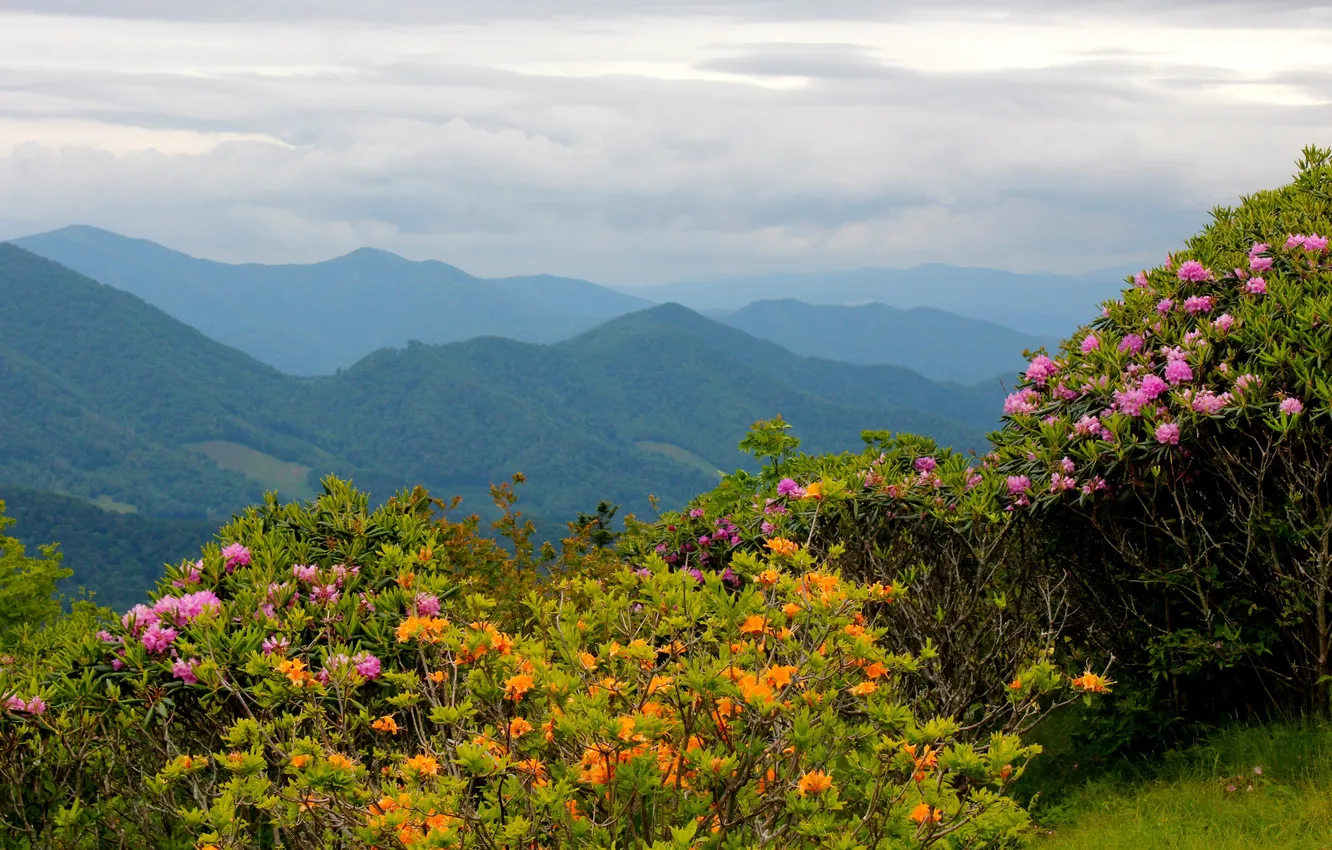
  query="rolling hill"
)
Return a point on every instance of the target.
[
  {"x": 315, "y": 319},
  {"x": 939, "y": 345}
]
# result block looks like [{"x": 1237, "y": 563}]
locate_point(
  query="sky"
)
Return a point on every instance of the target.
[{"x": 643, "y": 141}]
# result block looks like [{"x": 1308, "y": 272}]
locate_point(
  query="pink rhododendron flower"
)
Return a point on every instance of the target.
[
  {"x": 1130, "y": 401},
  {"x": 1087, "y": 426},
  {"x": 1193, "y": 270},
  {"x": 276, "y": 644},
  {"x": 1022, "y": 401},
  {"x": 1090, "y": 344},
  {"x": 1165, "y": 305},
  {"x": 157, "y": 639},
  {"x": 1257, "y": 286},
  {"x": 973, "y": 479},
  {"x": 925, "y": 465},
  {"x": 1224, "y": 322},
  {"x": 327, "y": 593},
  {"x": 1199, "y": 304},
  {"x": 1151, "y": 386},
  {"x": 696, "y": 513},
  {"x": 1315, "y": 243},
  {"x": 788, "y": 488},
  {"x": 1167, "y": 433},
  {"x": 1177, "y": 371},
  {"x": 1092, "y": 486},
  {"x": 1210, "y": 403},
  {"x": 427, "y": 605},
  {"x": 768, "y": 528},
  {"x": 1067, "y": 465},
  {"x": 138, "y": 618},
  {"x": 1260, "y": 264},
  {"x": 1132, "y": 343},
  {"x": 367, "y": 665},
  {"x": 235, "y": 556},
  {"x": 1018, "y": 484},
  {"x": 305, "y": 573},
  {"x": 1291, "y": 406},
  {"x": 1243, "y": 382},
  {"x": 1040, "y": 369},
  {"x": 1140, "y": 280},
  {"x": 1295, "y": 240},
  {"x": 184, "y": 670},
  {"x": 1060, "y": 483},
  {"x": 1258, "y": 248}
]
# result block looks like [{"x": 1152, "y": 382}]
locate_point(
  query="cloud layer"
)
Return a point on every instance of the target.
[{"x": 649, "y": 141}]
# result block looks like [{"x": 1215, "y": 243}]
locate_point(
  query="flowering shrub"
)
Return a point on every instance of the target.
[
  {"x": 962, "y": 583},
  {"x": 1178, "y": 446},
  {"x": 319, "y": 681}
]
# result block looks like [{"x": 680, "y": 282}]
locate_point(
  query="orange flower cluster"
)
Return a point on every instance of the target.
[
  {"x": 1092, "y": 683},
  {"x": 425, "y": 629},
  {"x": 925, "y": 813},
  {"x": 297, "y": 675},
  {"x": 782, "y": 546},
  {"x": 814, "y": 782},
  {"x": 385, "y": 724},
  {"x": 422, "y": 765},
  {"x": 484, "y": 637}
]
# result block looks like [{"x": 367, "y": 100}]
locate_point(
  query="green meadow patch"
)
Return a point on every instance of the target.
[
  {"x": 684, "y": 456},
  {"x": 289, "y": 479}
]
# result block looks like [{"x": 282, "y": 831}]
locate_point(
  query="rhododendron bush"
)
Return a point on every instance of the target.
[
  {"x": 1179, "y": 446},
  {"x": 320, "y": 680}
]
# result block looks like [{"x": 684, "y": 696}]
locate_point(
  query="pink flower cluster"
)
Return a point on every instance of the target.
[
  {"x": 1022, "y": 401},
  {"x": 235, "y": 555},
  {"x": 1041, "y": 369},
  {"x": 183, "y": 669},
  {"x": 33, "y": 706},
  {"x": 1313, "y": 243},
  {"x": 1192, "y": 270},
  {"x": 363, "y": 664}
]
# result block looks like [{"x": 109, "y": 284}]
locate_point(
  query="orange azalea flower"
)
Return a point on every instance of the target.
[
  {"x": 790, "y": 609},
  {"x": 385, "y": 724},
  {"x": 300, "y": 760},
  {"x": 782, "y": 546},
  {"x": 754, "y": 624},
  {"x": 854, "y": 631},
  {"x": 814, "y": 782},
  {"x": 294, "y": 670},
  {"x": 339, "y": 761},
  {"x": 925, "y": 812},
  {"x": 428, "y": 629},
  {"x": 438, "y": 821},
  {"x": 423, "y": 765},
  {"x": 658, "y": 683},
  {"x": 437, "y": 676},
  {"x": 517, "y": 686},
  {"x": 814, "y": 490},
  {"x": 1015, "y": 685},
  {"x": 768, "y": 577},
  {"x": 1005, "y": 772},
  {"x": 779, "y": 676},
  {"x": 406, "y": 579},
  {"x": 1092, "y": 683},
  {"x": 518, "y": 727},
  {"x": 875, "y": 670},
  {"x": 588, "y": 660},
  {"x": 864, "y": 689},
  {"x": 572, "y": 807}
]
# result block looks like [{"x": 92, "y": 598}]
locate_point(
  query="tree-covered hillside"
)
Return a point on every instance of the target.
[
  {"x": 119, "y": 557},
  {"x": 113, "y": 399}
]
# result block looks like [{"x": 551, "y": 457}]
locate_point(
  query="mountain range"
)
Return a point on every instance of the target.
[
  {"x": 110, "y": 399},
  {"x": 317, "y": 318},
  {"x": 946, "y": 322},
  {"x": 1037, "y": 304}
]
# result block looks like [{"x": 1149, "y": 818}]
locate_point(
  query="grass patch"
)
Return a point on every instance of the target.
[
  {"x": 289, "y": 479},
  {"x": 110, "y": 505},
  {"x": 680, "y": 455},
  {"x": 1254, "y": 787}
]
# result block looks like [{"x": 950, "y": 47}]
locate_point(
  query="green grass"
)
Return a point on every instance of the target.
[
  {"x": 1186, "y": 801},
  {"x": 289, "y": 479}
]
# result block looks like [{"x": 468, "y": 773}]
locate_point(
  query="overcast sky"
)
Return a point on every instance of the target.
[{"x": 641, "y": 141}]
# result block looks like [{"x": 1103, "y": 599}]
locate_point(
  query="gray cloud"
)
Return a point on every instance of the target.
[{"x": 622, "y": 176}]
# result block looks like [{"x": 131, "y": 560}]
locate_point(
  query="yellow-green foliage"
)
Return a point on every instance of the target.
[{"x": 319, "y": 682}]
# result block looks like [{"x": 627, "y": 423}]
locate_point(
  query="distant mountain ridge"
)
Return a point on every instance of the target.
[
  {"x": 317, "y": 318},
  {"x": 107, "y": 396},
  {"x": 941, "y": 346},
  {"x": 1038, "y": 304}
]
